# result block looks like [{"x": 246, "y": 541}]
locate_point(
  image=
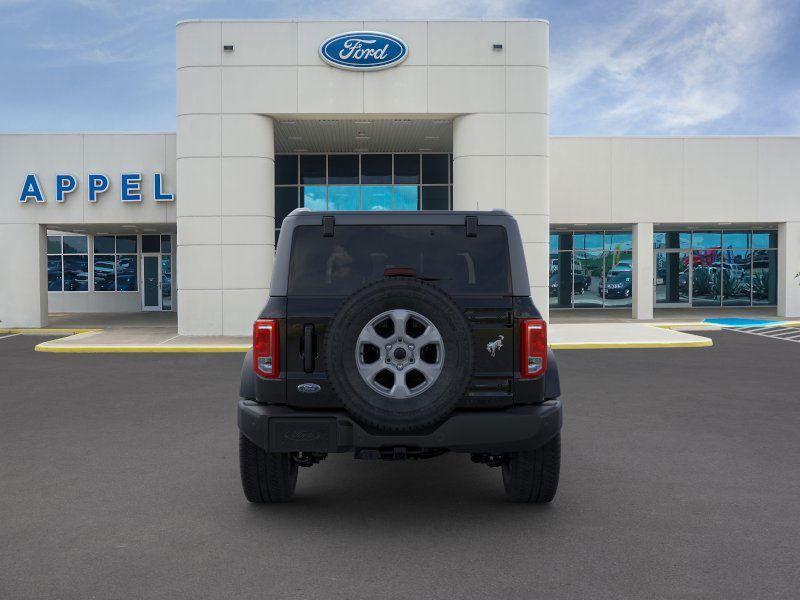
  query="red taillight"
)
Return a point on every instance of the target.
[
  {"x": 266, "y": 348},
  {"x": 532, "y": 348}
]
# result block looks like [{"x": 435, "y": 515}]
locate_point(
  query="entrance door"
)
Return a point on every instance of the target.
[{"x": 151, "y": 276}]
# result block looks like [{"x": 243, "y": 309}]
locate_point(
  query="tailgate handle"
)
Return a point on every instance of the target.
[
  {"x": 308, "y": 349},
  {"x": 471, "y": 223}
]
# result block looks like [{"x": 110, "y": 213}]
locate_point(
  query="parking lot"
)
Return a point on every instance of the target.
[{"x": 119, "y": 479}]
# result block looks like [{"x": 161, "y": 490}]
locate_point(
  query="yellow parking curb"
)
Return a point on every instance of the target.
[
  {"x": 704, "y": 343},
  {"x": 98, "y": 349}
]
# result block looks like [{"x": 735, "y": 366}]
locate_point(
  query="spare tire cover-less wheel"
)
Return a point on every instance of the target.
[{"x": 399, "y": 354}]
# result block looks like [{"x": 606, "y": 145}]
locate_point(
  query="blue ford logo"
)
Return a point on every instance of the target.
[{"x": 363, "y": 50}]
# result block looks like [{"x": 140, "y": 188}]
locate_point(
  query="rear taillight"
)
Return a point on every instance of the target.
[
  {"x": 532, "y": 348},
  {"x": 266, "y": 348}
]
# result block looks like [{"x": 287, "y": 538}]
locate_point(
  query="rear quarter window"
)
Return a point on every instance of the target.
[{"x": 359, "y": 254}]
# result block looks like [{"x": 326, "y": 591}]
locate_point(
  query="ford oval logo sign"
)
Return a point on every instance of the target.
[{"x": 363, "y": 50}]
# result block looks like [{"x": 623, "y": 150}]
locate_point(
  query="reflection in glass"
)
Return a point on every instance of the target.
[
  {"x": 706, "y": 277},
  {"x": 54, "y": 244},
  {"x": 617, "y": 287},
  {"x": 587, "y": 276},
  {"x": 765, "y": 277},
  {"x": 736, "y": 239},
  {"x": 104, "y": 272},
  {"x": 76, "y": 273},
  {"x": 343, "y": 197},
  {"x": 126, "y": 273},
  {"x": 376, "y": 197},
  {"x": 104, "y": 244},
  {"x": 765, "y": 239},
  {"x": 54, "y": 274},
  {"x": 706, "y": 239},
  {"x": 588, "y": 241},
  {"x": 166, "y": 244},
  {"x": 126, "y": 244},
  {"x": 618, "y": 241},
  {"x": 672, "y": 239},
  {"x": 672, "y": 278},
  {"x": 314, "y": 197},
  {"x": 405, "y": 197},
  {"x": 735, "y": 277},
  {"x": 75, "y": 244},
  {"x": 166, "y": 282}
]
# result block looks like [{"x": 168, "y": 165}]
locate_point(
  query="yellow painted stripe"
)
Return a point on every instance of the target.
[
  {"x": 704, "y": 343},
  {"x": 46, "y": 331},
  {"x": 99, "y": 349}
]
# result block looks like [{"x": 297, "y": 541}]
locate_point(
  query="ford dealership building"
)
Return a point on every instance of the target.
[{"x": 395, "y": 115}]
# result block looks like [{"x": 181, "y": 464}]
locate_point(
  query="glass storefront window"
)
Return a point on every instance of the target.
[
  {"x": 150, "y": 243},
  {"x": 722, "y": 268},
  {"x": 376, "y": 197},
  {"x": 126, "y": 273},
  {"x": 343, "y": 197},
  {"x": 54, "y": 244},
  {"x": 618, "y": 241},
  {"x": 587, "y": 276},
  {"x": 75, "y": 244},
  {"x": 104, "y": 272},
  {"x": 76, "y": 273},
  {"x": 313, "y": 197},
  {"x": 672, "y": 278},
  {"x": 435, "y": 197},
  {"x": 343, "y": 168},
  {"x": 54, "y": 277},
  {"x": 672, "y": 239},
  {"x": 706, "y": 239},
  {"x": 126, "y": 244},
  {"x": 376, "y": 168},
  {"x": 312, "y": 168},
  {"x": 104, "y": 244},
  {"x": 405, "y": 197},
  {"x": 735, "y": 277},
  {"x": 286, "y": 169},
  {"x": 765, "y": 277},
  {"x": 406, "y": 168},
  {"x": 435, "y": 168},
  {"x": 588, "y": 241}
]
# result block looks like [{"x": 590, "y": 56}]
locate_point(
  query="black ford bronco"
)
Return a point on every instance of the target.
[{"x": 399, "y": 335}]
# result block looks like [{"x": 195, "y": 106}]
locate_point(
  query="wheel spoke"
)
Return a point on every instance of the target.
[
  {"x": 370, "y": 336},
  {"x": 431, "y": 335},
  {"x": 369, "y": 370},
  {"x": 400, "y": 389},
  {"x": 399, "y": 318},
  {"x": 429, "y": 370}
]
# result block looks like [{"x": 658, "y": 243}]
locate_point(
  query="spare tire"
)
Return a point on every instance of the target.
[{"x": 399, "y": 354}]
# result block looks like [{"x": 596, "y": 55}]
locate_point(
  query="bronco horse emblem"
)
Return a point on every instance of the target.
[{"x": 494, "y": 346}]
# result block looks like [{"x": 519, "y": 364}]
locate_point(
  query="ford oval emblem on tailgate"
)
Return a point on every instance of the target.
[
  {"x": 308, "y": 388},
  {"x": 363, "y": 50}
]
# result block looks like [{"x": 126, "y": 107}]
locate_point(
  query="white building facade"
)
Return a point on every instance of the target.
[{"x": 457, "y": 119}]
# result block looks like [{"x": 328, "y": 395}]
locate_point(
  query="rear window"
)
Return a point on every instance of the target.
[{"x": 357, "y": 255}]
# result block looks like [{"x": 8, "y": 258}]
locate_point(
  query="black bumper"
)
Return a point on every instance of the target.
[{"x": 283, "y": 429}]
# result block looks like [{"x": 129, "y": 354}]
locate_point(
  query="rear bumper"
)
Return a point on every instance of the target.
[{"x": 284, "y": 429}]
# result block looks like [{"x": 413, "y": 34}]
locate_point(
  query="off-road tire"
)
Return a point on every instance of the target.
[
  {"x": 532, "y": 476},
  {"x": 431, "y": 406},
  {"x": 267, "y": 477}
]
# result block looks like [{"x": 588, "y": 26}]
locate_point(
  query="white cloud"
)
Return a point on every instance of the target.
[{"x": 670, "y": 68}]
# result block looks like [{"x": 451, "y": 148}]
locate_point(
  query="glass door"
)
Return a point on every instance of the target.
[{"x": 151, "y": 282}]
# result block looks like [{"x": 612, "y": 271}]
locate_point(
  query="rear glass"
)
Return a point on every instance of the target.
[{"x": 357, "y": 255}]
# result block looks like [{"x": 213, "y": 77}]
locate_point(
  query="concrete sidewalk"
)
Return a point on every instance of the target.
[{"x": 157, "y": 332}]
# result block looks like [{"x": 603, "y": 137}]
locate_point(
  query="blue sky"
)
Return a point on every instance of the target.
[{"x": 617, "y": 68}]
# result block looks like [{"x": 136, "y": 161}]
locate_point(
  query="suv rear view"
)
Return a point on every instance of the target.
[{"x": 397, "y": 336}]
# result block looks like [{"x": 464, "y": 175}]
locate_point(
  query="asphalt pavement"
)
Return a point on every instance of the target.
[{"x": 680, "y": 479}]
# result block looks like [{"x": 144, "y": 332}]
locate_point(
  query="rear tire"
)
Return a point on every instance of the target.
[
  {"x": 267, "y": 477},
  {"x": 532, "y": 476}
]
